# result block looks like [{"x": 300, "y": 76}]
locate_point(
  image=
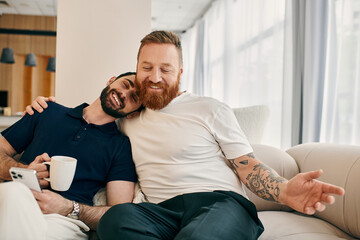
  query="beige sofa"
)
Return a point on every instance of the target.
[{"x": 341, "y": 165}]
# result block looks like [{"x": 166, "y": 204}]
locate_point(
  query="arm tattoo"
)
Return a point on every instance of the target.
[
  {"x": 234, "y": 166},
  {"x": 264, "y": 182},
  {"x": 243, "y": 162}
]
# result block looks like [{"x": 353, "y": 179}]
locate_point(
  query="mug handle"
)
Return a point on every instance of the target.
[{"x": 47, "y": 163}]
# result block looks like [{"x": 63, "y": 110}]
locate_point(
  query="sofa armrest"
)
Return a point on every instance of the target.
[{"x": 341, "y": 166}]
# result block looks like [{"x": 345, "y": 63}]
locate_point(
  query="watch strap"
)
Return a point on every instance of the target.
[{"x": 75, "y": 212}]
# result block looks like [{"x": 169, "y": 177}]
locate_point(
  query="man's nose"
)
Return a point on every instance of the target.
[
  {"x": 124, "y": 95},
  {"x": 155, "y": 76}
]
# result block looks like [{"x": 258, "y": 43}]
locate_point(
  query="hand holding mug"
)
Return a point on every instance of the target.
[{"x": 41, "y": 170}]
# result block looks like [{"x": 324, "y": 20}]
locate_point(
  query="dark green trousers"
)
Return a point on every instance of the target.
[{"x": 218, "y": 215}]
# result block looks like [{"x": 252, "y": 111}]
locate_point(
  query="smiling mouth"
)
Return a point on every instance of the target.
[
  {"x": 155, "y": 87},
  {"x": 117, "y": 100}
]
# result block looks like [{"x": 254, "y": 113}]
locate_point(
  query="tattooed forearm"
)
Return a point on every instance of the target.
[{"x": 264, "y": 182}]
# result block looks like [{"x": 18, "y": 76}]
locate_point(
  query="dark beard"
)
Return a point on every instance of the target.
[
  {"x": 107, "y": 106},
  {"x": 157, "y": 101}
]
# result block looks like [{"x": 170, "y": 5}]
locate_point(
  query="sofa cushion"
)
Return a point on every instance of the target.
[{"x": 295, "y": 226}]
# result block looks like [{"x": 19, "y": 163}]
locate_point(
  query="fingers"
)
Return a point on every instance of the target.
[
  {"x": 42, "y": 101},
  {"x": 42, "y": 158},
  {"x": 309, "y": 210},
  {"x": 313, "y": 174},
  {"x": 329, "y": 188},
  {"x": 36, "y": 194},
  {"x": 40, "y": 168},
  {"x": 28, "y": 110},
  {"x": 52, "y": 99},
  {"x": 39, "y": 106},
  {"x": 326, "y": 187},
  {"x": 43, "y": 183},
  {"x": 42, "y": 174},
  {"x": 319, "y": 206},
  {"x": 326, "y": 198}
]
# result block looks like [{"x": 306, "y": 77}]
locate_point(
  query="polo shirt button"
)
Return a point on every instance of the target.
[{"x": 84, "y": 128}]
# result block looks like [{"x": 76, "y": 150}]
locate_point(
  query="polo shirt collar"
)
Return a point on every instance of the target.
[{"x": 77, "y": 112}]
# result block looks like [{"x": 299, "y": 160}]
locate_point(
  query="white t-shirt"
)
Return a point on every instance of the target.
[{"x": 184, "y": 147}]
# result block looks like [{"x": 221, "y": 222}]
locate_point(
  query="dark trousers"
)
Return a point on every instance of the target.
[{"x": 218, "y": 215}]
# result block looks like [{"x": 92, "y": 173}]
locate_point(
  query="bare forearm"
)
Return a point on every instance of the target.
[
  {"x": 91, "y": 215},
  {"x": 259, "y": 178},
  {"x": 6, "y": 162}
]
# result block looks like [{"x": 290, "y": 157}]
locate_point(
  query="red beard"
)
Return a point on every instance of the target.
[{"x": 157, "y": 101}]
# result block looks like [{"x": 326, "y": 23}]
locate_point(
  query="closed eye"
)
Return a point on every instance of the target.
[{"x": 126, "y": 85}]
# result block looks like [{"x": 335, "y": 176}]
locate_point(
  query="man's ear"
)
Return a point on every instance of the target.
[
  {"x": 181, "y": 69},
  {"x": 110, "y": 81},
  {"x": 132, "y": 115}
]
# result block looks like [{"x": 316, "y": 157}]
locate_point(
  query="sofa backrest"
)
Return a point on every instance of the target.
[
  {"x": 341, "y": 166},
  {"x": 253, "y": 121}
]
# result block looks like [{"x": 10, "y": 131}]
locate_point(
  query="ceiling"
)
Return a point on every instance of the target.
[{"x": 171, "y": 15}]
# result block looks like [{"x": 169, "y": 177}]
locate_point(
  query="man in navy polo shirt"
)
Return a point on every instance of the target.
[{"x": 87, "y": 133}]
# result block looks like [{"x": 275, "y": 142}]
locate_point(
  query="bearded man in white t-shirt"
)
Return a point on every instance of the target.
[{"x": 193, "y": 160}]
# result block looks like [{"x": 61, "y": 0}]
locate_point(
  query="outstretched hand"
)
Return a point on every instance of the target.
[
  {"x": 39, "y": 104},
  {"x": 307, "y": 195}
]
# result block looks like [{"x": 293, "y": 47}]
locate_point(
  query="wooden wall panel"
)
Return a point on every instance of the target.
[
  {"x": 7, "y": 21},
  {"x": 41, "y": 80},
  {"x": 25, "y": 83},
  {"x": 20, "y": 43},
  {"x": 20, "y": 77},
  {"x": 6, "y": 76},
  {"x": 28, "y": 22}
]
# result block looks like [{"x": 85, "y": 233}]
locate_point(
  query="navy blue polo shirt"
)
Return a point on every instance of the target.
[{"x": 103, "y": 152}]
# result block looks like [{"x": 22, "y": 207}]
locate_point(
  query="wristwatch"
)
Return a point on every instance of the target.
[{"x": 75, "y": 212}]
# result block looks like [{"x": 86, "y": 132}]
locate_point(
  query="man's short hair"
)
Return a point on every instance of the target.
[
  {"x": 125, "y": 74},
  {"x": 162, "y": 37}
]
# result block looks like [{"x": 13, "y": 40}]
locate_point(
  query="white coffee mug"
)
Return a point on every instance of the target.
[{"x": 62, "y": 171}]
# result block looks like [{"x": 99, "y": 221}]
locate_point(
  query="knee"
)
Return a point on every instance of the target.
[
  {"x": 14, "y": 190},
  {"x": 14, "y": 195},
  {"x": 115, "y": 220}
]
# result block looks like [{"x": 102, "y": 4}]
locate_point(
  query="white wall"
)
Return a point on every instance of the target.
[{"x": 95, "y": 41}]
